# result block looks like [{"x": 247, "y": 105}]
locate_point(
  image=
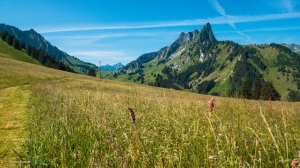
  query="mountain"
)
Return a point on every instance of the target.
[
  {"x": 112, "y": 67},
  {"x": 32, "y": 38},
  {"x": 294, "y": 47},
  {"x": 196, "y": 61}
]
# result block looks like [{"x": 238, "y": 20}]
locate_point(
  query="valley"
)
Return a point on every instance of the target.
[
  {"x": 56, "y": 118},
  {"x": 61, "y": 119}
]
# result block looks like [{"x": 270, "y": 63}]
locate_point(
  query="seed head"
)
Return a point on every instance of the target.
[
  {"x": 211, "y": 104},
  {"x": 132, "y": 116},
  {"x": 295, "y": 163}
]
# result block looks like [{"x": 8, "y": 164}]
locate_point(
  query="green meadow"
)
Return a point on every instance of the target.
[{"x": 51, "y": 118}]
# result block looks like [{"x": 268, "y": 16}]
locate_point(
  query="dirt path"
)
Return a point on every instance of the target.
[{"x": 13, "y": 103}]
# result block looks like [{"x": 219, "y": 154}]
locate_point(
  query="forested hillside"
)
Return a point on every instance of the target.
[
  {"x": 38, "y": 54},
  {"x": 34, "y": 39}
]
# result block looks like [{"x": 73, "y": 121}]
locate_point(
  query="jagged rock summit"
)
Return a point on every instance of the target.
[{"x": 206, "y": 33}]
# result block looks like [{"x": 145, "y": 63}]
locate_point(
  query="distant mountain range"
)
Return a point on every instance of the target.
[
  {"x": 294, "y": 47},
  {"x": 112, "y": 67},
  {"x": 197, "y": 62},
  {"x": 32, "y": 38}
]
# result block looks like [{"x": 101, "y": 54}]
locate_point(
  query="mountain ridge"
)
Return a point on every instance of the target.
[
  {"x": 293, "y": 47},
  {"x": 114, "y": 67},
  {"x": 197, "y": 62}
]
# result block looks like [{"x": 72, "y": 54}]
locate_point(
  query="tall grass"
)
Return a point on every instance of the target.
[{"x": 82, "y": 123}]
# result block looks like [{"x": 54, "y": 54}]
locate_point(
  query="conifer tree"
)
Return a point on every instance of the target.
[
  {"x": 256, "y": 89},
  {"x": 91, "y": 72},
  {"x": 4, "y": 35},
  {"x": 246, "y": 89},
  {"x": 16, "y": 43},
  {"x": 22, "y": 46},
  {"x": 268, "y": 92},
  {"x": 9, "y": 39},
  {"x": 293, "y": 96},
  {"x": 28, "y": 50}
]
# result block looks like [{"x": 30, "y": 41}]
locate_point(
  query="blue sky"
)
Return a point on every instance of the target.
[{"x": 113, "y": 31}]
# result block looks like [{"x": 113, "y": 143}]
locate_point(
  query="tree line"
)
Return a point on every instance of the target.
[
  {"x": 38, "y": 54},
  {"x": 259, "y": 90}
]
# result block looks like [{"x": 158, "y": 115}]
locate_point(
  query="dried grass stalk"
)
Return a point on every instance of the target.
[{"x": 132, "y": 116}]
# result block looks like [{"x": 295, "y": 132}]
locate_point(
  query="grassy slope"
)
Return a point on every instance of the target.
[
  {"x": 13, "y": 105},
  {"x": 15, "y": 76},
  {"x": 87, "y": 123},
  {"x": 17, "y": 68},
  {"x": 77, "y": 121},
  {"x": 278, "y": 79},
  {"x": 8, "y": 51}
]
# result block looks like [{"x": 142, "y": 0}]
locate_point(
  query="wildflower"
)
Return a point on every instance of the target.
[
  {"x": 211, "y": 104},
  {"x": 295, "y": 163}
]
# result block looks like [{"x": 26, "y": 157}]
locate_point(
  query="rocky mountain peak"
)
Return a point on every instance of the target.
[{"x": 206, "y": 33}]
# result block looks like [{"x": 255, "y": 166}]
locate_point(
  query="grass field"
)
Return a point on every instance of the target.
[
  {"x": 8, "y": 51},
  {"x": 62, "y": 119}
]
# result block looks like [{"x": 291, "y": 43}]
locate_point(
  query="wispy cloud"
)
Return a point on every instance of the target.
[
  {"x": 215, "y": 4},
  {"x": 100, "y": 53},
  {"x": 99, "y": 36},
  {"x": 106, "y": 57},
  {"x": 272, "y": 29},
  {"x": 92, "y": 36},
  {"x": 262, "y": 30},
  {"x": 284, "y": 5},
  {"x": 288, "y": 5},
  {"x": 216, "y": 20}
]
